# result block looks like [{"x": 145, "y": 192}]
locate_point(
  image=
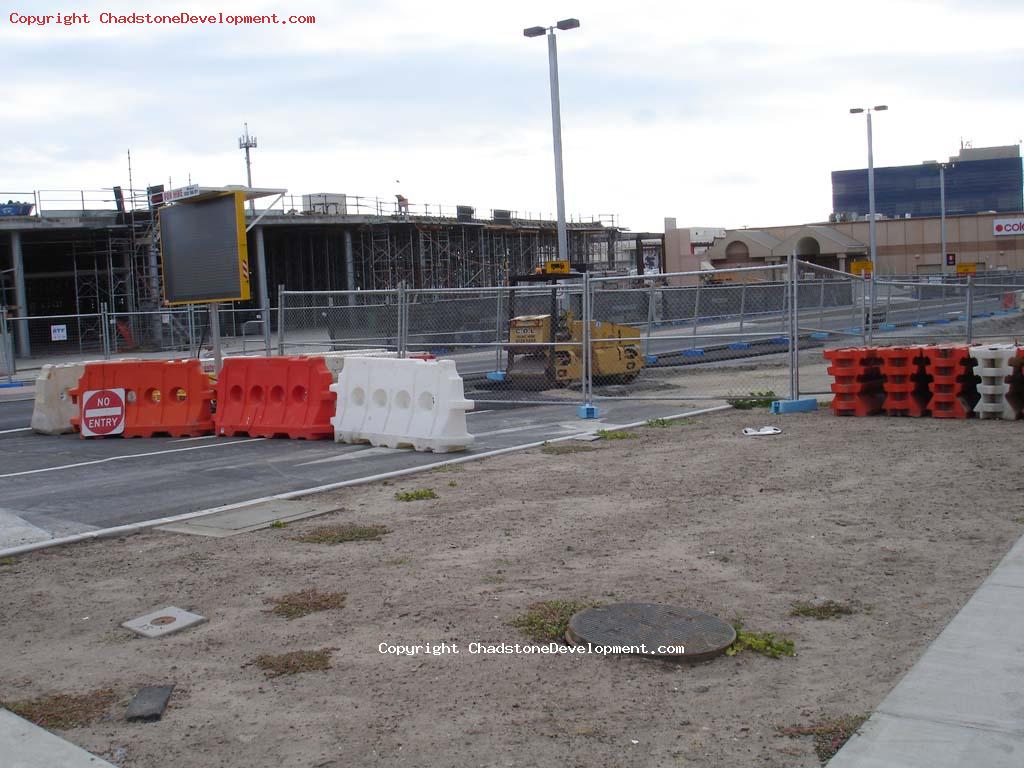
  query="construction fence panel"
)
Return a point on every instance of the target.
[
  {"x": 511, "y": 344},
  {"x": 708, "y": 335},
  {"x": 311, "y": 322}
]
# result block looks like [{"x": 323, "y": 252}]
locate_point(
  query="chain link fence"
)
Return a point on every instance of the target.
[{"x": 743, "y": 334}]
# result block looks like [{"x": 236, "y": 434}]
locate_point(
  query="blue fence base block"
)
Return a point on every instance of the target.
[
  {"x": 739, "y": 345},
  {"x": 943, "y": 321},
  {"x": 588, "y": 411},
  {"x": 12, "y": 384},
  {"x": 650, "y": 359},
  {"x": 803, "y": 405},
  {"x": 495, "y": 375},
  {"x": 698, "y": 352},
  {"x": 820, "y": 335},
  {"x": 920, "y": 323},
  {"x": 855, "y": 330},
  {"x": 887, "y": 327},
  {"x": 779, "y": 340}
]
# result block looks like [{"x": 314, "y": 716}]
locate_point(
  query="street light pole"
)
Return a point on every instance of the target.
[
  {"x": 556, "y": 124},
  {"x": 556, "y": 135},
  {"x": 248, "y": 142},
  {"x": 871, "y": 180}
]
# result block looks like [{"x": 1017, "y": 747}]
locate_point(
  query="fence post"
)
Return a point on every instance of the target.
[
  {"x": 215, "y": 336},
  {"x": 587, "y": 409},
  {"x": 402, "y": 298},
  {"x": 970, "y": 309},
  {"x": 871, "y": 307},
  {"x": 280, "y": 319},
  {"x": 743, "y": 302},
  {"x": 650, "y": 321},
  {"x": 497, "y": 334},
  {"x": 696, "y": 311},
  {"x": 105, "y": 329},
  {"x": 6, "y": 350},
  {"x": 821, "y": 304},
  {"x": 794, "y": 360}
]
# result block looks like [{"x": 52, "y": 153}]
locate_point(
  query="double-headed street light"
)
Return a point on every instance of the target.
[
  {"x": 556, "y": 124},
  {"x": 871, "y": 177}
]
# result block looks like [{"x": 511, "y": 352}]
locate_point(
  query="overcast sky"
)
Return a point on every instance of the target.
[{"x": 725, "y": 113}]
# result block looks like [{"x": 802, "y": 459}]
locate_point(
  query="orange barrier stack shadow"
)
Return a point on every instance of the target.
[
  {"x": 275, "y": 397},
  {"x": 857, "y": 381},
  {"x": 954, "y": 387},
  {"x": 162, "y": 397},
  {"x": 905, "y": 380}
]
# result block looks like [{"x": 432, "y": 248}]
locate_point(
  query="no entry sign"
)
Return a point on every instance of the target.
[{"x": 103, "y": 412}]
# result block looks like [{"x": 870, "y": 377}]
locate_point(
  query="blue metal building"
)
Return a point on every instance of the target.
[{"x": 972, "y": 186}]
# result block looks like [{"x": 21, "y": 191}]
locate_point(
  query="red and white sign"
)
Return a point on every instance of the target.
[
  {"x": 1008, "y": 227},
  {"x": 103, "y": 412}
]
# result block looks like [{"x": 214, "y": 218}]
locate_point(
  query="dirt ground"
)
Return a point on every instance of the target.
[{"x": 901, "y": 517}]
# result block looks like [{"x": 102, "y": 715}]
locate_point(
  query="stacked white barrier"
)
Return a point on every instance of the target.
[
  {"x": 54, "y": 406},
  {"x": 993, "y": 367},
  {"x": 336, "y": 360},
  {"x": 402, "y": 403}
]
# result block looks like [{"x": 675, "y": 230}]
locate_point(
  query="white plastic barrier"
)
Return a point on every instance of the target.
[
  {"x": 336, "y": 360},
  {"x": 54, "y": 407},
  {"x": 402, "y": 403},
  {"x": 994, "y": 368}
]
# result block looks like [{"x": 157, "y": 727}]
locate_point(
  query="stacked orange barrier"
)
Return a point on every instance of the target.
[
  {"x": 905, "y": 380},
  {"x": 954, "y": 387},
  {"x": 162, "y": 397},
  {"x": 275, "y": 397},
  {"x": 857, "y": 381}
]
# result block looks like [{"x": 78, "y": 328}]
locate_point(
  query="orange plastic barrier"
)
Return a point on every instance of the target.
[
  {"x": 857, "y": 381},
  {"x": 905, "y": 380},
  {"x": 162, "y": 397},
  {"x": 954, "y": 387},
  {"x": 275, "y": 397}
]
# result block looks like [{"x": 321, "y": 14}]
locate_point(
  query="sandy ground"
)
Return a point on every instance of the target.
[{"x": 904, "y": 517}]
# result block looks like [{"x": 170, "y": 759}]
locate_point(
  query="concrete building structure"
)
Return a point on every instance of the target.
[{"x": 905, "y": 246}]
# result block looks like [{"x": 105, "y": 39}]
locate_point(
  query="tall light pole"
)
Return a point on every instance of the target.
[
  {"x": 871, "y": 178},
  {"x": 248, "y": 142},
  {"x": 556, "y": 124},
  {"x": 942, "y": 210}
]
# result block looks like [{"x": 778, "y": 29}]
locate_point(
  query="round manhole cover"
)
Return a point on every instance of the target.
[
  {"x": 649, "y": 629},
  {"x": 160, "y": 621}
]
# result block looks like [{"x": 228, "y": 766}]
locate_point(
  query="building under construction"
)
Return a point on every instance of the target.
[{"x": 56, "y": 261}]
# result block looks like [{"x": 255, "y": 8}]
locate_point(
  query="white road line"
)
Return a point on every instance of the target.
[
  {"x": 359, "y": 453},
  {"x": 189, "y": 439},
  {"x": 130, "y": 456},
  {"x": 476, "y": 413},
  {"x": 19, "y": 429}
]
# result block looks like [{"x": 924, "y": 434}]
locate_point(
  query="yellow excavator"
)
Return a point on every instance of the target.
[{"x": 616, "y": 353}]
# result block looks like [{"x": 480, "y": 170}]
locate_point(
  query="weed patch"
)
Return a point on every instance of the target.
[
  {"x": 753, "y": 400},
  {"x": 295, "y": 662},
  {"x": 279, "y": 524},
  {"x": 306, "y": 602},
  {"x": 829, "y": 735},
  {"x": 616, "y": 434},
  {"x": 827, "y": 609},
  {"x": 339, "y": 534},
  {"x": 547, "y": 621},
  {"x": 421, "y": 494},
  {"x": 764, "y": 643},
  {"x": 61, "y": 711}
]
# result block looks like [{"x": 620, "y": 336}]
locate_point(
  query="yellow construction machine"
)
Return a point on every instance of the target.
[{"x": 536, "y": 360}]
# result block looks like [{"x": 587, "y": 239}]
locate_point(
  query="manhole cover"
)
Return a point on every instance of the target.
[{"x": 649, "y": 629}]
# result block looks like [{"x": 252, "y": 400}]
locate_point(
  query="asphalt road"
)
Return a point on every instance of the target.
[{"x": 60, "y": 485}]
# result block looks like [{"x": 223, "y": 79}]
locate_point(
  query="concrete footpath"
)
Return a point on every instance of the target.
[
  {"x": 24, "y": 745},
  {"x": 962, "y": 704}
]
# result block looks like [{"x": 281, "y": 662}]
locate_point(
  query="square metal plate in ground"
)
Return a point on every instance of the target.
[
  {"x": 164, "y": 622},
  {"x": 245, "y": 519}
]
